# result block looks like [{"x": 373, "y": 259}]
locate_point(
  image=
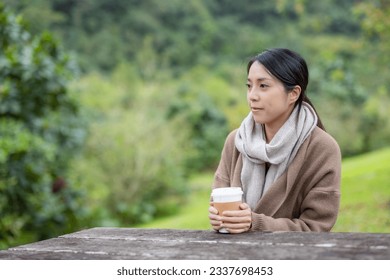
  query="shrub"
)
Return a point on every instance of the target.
[
  {"x": 133, "y": 163},
  {"x": 39, "y": 131}
]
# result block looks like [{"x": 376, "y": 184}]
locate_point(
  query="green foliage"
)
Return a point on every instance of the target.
[
  {"x": 375, "y": 23},
  {"x": 207, "y": 124},
  {"x": 133, "y": 162},
  {"x": 39, "y": 131},
  {"x": 336, "y": 90}
]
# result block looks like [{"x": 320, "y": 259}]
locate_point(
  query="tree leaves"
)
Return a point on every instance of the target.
[{"x": 38, "y": 133}]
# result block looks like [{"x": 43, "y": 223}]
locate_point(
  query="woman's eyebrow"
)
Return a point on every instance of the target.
[{"x": 261, "y": 79}]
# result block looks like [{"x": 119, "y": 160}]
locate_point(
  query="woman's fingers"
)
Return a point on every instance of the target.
[
  {"x": 237, "y": 227},
  {"x": 215, "y": 219},
  {"x": 244, "y": 212},
  {"x": 237, "y": 221},
  {"x": 213, "y": 210},
  {"x": 244, "y": 206}
]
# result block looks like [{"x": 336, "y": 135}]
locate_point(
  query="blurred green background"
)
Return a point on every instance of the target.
[{"x": 114, "y": 112}]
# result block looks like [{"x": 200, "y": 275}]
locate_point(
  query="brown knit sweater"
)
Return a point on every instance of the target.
[{"x": 304, "y": 198}]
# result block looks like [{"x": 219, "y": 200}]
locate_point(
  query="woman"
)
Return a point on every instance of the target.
[{"x": 287, "y": 165}]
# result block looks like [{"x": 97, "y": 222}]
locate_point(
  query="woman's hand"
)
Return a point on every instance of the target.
[
  {"x": 236, "y": 221},
  {"x": 215, "y": 219}
]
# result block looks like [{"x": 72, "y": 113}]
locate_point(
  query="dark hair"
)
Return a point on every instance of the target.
[{"x": 289, "y": 68}]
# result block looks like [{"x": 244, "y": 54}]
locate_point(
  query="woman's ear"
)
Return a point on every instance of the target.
[{"x": 294, "y": 94}]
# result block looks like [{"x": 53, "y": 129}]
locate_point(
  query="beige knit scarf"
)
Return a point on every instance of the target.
[{"x": 251, "y": 143}]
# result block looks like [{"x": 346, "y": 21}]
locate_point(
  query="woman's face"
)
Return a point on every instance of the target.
[{"x": 268, "y": 100}]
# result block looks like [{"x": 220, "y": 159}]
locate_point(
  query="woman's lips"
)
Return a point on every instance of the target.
[{"x": 256, "y": 109}]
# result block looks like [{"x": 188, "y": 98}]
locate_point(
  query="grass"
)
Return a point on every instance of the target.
[
  {"x": 365, "y": 200},
  {"x": 365, "y": 193},
  {"x": 194, "y": 214}
]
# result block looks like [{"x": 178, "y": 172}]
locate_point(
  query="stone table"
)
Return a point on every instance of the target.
[{"x": 170, "y": 244}]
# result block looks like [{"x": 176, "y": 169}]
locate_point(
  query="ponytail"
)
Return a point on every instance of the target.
[{"x": 307, "y": 100}]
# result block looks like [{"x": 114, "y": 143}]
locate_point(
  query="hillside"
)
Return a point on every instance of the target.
[{"x": 365, "y": 203}]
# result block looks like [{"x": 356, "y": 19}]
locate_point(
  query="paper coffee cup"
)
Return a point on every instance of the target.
[{"x": 226, "y": 199}]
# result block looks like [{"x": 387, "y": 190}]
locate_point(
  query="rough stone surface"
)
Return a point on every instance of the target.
[{"x": 151, "y": 244}]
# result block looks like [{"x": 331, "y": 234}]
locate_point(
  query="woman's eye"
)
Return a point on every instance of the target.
[
  {"x": 248, "y": 86},
  {"x": 263, "y": 85}
]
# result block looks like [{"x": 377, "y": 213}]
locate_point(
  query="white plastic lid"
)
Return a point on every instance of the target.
[{"x": 227, "y": 194}]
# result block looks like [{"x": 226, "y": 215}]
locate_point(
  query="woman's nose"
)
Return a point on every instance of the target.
[{"x": 253, "y": 94}]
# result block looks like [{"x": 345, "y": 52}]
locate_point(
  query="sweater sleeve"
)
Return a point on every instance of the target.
[
  {"x": 319, "y": 208},
  {"x": 319, "y": 214},
  {"x": 222, "y": 176}
]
